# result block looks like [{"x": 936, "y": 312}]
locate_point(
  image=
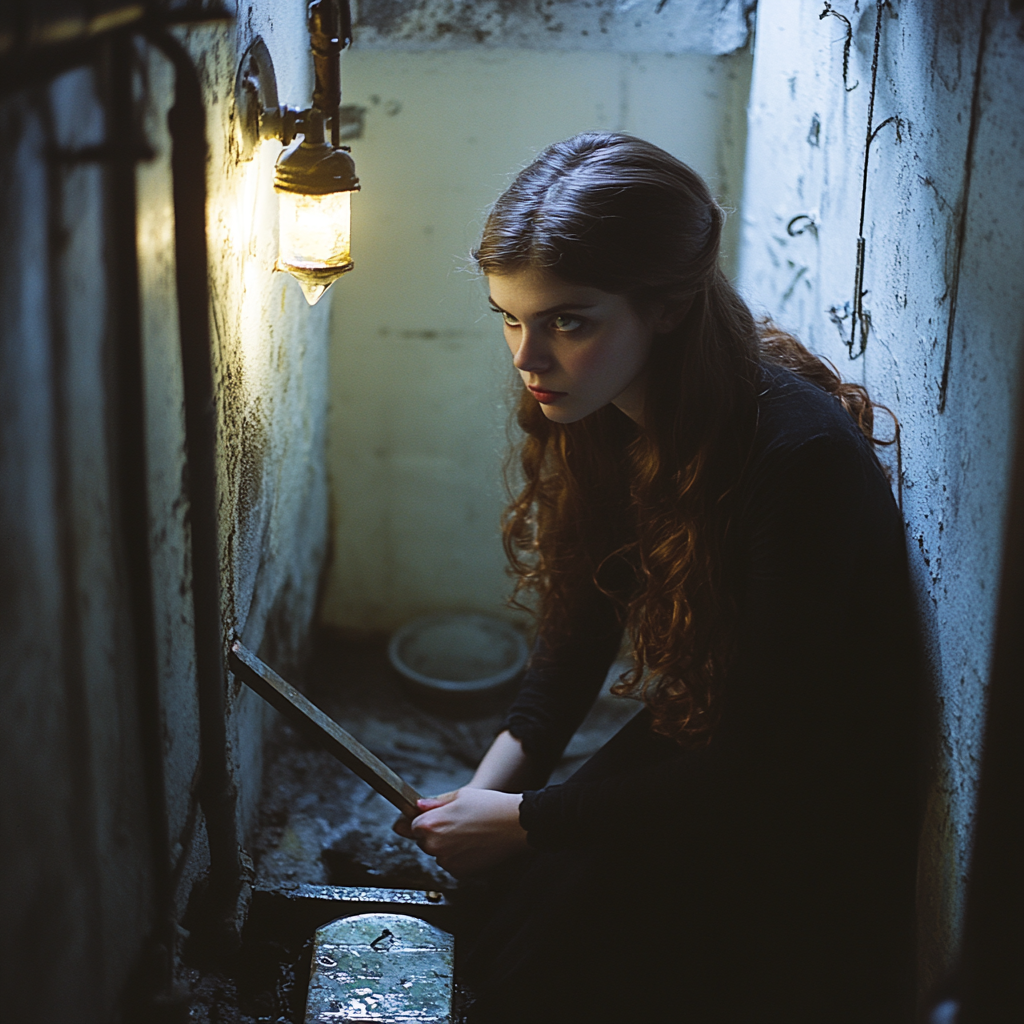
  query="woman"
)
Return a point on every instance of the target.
[{"x": 744, "y": 849}]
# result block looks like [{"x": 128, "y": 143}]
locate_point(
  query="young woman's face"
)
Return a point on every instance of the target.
[{"x": 577, "y": 348}]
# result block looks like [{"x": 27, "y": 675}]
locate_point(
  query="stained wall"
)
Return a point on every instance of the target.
[
  {"x": 77, "y": 849},
  {"x": 942, "y": 205}
]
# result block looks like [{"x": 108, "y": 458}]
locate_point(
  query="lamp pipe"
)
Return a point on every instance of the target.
[{"x": 330, "y": 31}]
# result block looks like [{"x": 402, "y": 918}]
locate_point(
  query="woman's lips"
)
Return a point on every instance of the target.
[{"x": 545, "y": 397}]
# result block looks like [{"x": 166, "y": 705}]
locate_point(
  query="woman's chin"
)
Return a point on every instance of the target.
[
  {"x": 569, "y": 409},
  {"x": 564, "y": 414},
  {"x": 571, "y": 412}
]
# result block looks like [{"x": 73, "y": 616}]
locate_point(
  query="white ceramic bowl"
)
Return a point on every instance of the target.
[{"x": 458, "y": 654}]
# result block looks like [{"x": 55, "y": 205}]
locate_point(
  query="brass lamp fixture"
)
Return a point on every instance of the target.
[
  {"x": 314, "y": 178},
  {"x": 315, "y": 182}
]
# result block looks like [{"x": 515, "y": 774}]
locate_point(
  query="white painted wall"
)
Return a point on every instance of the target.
[
  {"x": 419, "y": 370},
  {"x": 805, "y": 156}
]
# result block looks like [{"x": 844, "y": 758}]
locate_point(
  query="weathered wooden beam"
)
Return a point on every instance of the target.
[{"x": 322, "y": 729}]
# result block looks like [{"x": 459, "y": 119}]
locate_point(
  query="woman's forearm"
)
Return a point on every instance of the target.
[{"x": 505, "y": 766}]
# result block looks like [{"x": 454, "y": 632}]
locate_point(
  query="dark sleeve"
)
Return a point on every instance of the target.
[
  {"x": 563, "y": 679},
  {"x": 814, "y": 700}
]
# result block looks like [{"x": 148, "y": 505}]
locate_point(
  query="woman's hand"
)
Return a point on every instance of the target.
[{"x": 468, "y": 830}]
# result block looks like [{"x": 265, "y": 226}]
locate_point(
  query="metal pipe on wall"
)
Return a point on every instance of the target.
[
  {"x": 330, "y": 31},
  {"x": 152, "y": 990},
  {"x": 129, "y": 446},
  {"x": 229, "y": 877}
]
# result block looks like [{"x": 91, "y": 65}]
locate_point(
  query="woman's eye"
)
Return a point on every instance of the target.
[
  {"x": 509, "y": 319},
  {"x": 564, "y": 322}
]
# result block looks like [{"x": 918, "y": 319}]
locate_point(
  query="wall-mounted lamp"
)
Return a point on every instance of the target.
[
  {"x": 315, "y": 182},
  {"x": 314, "y": 179}
]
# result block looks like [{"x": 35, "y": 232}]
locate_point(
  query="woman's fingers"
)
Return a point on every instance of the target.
[
  {"x": 425, "y": 821},
  {"x": 403, "y": 827},
  {"x": 430, "y": 806},
  {"x": 468, "y": 830},
  {"x": 419, "y": 828},
  {"x": 428, "y": 803}
]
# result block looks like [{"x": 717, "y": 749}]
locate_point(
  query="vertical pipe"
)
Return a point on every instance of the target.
[
  {"x": 131, "y": 474},
  {"x": 330, "y": 31},
  {"x": 187, "y": 120}
]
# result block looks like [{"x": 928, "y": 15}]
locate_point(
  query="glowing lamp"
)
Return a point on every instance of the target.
[
  {"x": 314, "y": 182},
  {"x": 314, "y": 179}
]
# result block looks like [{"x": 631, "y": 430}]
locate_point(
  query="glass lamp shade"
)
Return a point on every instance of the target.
[
  {"x": 315, "y": 182},
  {"x": 315, "y": 239}
]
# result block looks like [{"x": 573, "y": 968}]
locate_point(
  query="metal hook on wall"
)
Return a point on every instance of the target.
[{"x": 800, "y": 224}]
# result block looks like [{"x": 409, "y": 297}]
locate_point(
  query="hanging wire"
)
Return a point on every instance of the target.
[
  {"x": 899, "y": 466},
  {"x": 828, "y": 12},
  {"x": 965, "y": 195},
  {"x": 860, "y": 318}
]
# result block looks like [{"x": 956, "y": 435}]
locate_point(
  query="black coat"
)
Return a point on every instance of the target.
[{"x": 770, "y": 875}]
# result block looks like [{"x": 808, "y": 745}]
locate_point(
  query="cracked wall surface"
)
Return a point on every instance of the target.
[{"x": 942, "y": 305}]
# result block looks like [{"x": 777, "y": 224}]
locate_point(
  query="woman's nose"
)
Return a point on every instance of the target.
[{"x": 532, "y": 356}]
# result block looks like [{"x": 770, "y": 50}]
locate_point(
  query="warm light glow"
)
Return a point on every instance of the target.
[
  {"x": 249, "y": 215},
  {"x": 315, "y": 182},
  {"x": 315, "y": 235}
]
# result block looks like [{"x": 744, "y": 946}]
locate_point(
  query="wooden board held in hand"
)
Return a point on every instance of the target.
[{"x": 322, "y": 729}]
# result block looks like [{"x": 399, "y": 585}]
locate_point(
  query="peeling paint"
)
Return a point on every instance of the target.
[{"x": 625, "y": 26}]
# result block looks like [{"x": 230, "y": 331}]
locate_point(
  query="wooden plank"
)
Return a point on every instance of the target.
[{"x": 322, "y": 729}]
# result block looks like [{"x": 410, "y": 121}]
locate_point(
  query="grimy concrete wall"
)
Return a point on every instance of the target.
[
  {"x": 419, "y": 369},
  {"x": 943, "y": 286},
  {"x": 75, "y": 848}
]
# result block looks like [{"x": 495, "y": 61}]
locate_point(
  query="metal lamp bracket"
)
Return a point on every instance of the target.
[{"x": 258, "y": 114}]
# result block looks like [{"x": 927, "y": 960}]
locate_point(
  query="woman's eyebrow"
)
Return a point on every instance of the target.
[{"x": 562, "y": 307}]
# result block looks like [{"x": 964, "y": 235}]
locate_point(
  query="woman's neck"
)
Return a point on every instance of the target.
[{"x": 631, "y": 401}]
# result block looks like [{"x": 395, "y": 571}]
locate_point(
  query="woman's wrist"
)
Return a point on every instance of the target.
[{"x": 514, "y": 826}]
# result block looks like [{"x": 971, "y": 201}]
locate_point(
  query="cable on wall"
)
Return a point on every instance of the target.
[
  {"x": 847, "y": 43},
  {"x": 965, "y": 194},
  {"x": 859, "y": 317}
]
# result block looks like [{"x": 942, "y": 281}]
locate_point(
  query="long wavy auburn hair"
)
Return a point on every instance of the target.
[{"x": 642, "y": 513}]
